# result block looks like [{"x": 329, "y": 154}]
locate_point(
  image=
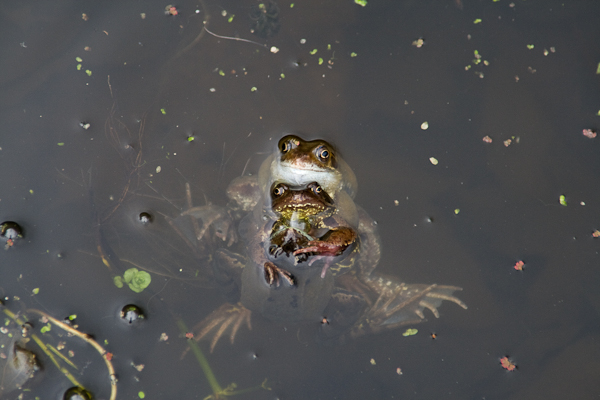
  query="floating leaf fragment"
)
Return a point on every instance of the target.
[
  {"x": 596, "y": 233},
  {"x": 353, "y": 54},
  {"x": 507, "y": 364},
  {"x": 598, "y": 69},
  {"x": 373, "y": 361},
  {"x": 433, "y": 160},
  {"x": 410, "y": 332},
  {"x": 163, "y": 111},
  {"x": 361, "y": 2},
  {"x": 589, "y": 133},
  {"x": 530, "y": 46},
  {"x": 425, "y": 125},
  {"x": 562, "y": 200},
  {"x": 418, "y": 43},
  {"x": 487, "y": 139},
  {"x": 35, "y": 291},
  {"x": 456, "y": 211},
  {"x": 519, "y": 265},
  {"x": 477, "y": 21},
  {"x": 274, "y": 49}
]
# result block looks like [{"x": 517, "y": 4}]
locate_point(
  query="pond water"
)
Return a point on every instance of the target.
[{"x": 169, "y": 103}]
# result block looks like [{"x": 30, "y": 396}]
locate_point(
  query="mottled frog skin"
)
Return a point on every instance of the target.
[{"x": 304, "y": 251}]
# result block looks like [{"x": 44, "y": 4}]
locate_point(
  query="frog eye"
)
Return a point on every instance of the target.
[
  {"x": 279, "y": 190},
  {"x": 317, "y": 189},
  {"x": 285, "y": 147},
  {"x": 323, "y": 153}
]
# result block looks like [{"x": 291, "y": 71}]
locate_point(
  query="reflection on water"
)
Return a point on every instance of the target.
[{"x": 345, "y": 73}]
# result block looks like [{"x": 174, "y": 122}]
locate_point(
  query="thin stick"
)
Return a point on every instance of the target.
[
  {"x": 93, "y": 343},
  {"x": 233, "y": 38}
]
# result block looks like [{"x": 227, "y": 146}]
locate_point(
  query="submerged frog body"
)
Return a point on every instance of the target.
[{"x": 311, "y": 251}]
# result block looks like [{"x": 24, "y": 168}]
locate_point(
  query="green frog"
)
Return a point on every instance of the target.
[{"x": 311, "y": 251}]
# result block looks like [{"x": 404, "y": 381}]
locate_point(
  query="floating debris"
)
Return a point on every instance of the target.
[
  {"x": 420, "y": 42},
  {"x": 589, "y": 133},
  {"x": 487, "y": 139},
  {"x": 562, "y": 200},
  {"x": 507, "y": 364},
  {"x": 433, "y": 160},
  {"x": 519, "y": 265}
]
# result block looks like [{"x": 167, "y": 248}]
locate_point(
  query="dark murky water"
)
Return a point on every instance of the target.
[{"x": 546, "y": 318}]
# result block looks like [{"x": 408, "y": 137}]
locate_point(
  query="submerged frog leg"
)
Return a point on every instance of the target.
[
  {"x": 398, "y": 304},
  {"x": 228, "y": 315},
  {"x": 273, "y": 274}
]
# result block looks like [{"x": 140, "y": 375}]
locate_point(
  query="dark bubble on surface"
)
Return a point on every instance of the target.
[
  {"x": 145, "y": 218},
  {"x": 132, "y": 314},
  {"x": 10, "y": 232},
  {"x": 77, "y": 393}
]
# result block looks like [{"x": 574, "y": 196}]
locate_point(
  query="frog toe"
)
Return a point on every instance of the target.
[{"x": 219, "y": 321}]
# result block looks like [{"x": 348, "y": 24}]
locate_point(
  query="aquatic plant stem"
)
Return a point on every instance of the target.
[{"x": 210, "y": 376}]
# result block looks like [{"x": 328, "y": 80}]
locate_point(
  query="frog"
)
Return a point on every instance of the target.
[
  {"x": 295, "y": 246},
  {"x": 17, "y": 363},
  {"x": 346, "y": 296}
]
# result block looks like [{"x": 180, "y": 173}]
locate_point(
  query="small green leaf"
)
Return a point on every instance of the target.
[
  {"x": 361, "y": 2},
  {"x": 410, "y": 332},
  {"x": 72, "y": 317},
  {"x": 78, "y": 67},
  {"x": 129, "y": 274},
  {"x": 137, "y": 280},
  {"x": 88, "y": 72},
  {"x": 292, "y": 5},
  {"x": 60, "y": 144},
  {"x": 313, "y": 52},
  {"x": 477, "y": 21},
  {"x": 456, "y": 211},
  {"x": 562, "y": 200},
  {"x": 118, "y": 281},
  {"x": 253, "y": 89},
  {"x": 530, "y": 46},
  {"x": 353, "y": 54},
  {"x": 190, "y": 138},
  {"x": 78, "y": 59},
  {"x": 46, "y": 328},
  {"x": 221, "y": 72},
  {"x": 231, "y": 18},
  {"x": 598, "y": 73},
  {"x": 282, "y": 75},
  {"x": 36, "y": 290},
  {"x": 141, "y": 395},
  {"x": 320, "y": 61},
  {"x": 163, "y": 111}
]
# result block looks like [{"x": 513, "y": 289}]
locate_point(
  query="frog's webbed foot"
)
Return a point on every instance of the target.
[
  {"x": 220, "y": 320},
  {"x": 402, "y": 304}
]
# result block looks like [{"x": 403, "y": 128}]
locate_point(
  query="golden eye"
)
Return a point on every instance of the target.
[
  {"x": 323, "y": 153},
  {"x": 285, "y": 147},
  {"x": 279, "y": 190},
  {"x": 317, "y": 189}
]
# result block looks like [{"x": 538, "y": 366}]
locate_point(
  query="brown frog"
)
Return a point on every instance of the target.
[{"x": 353, "y": 302}]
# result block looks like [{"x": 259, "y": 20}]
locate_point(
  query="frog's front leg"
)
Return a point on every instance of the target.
[{"x": 330, "y": 246}]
